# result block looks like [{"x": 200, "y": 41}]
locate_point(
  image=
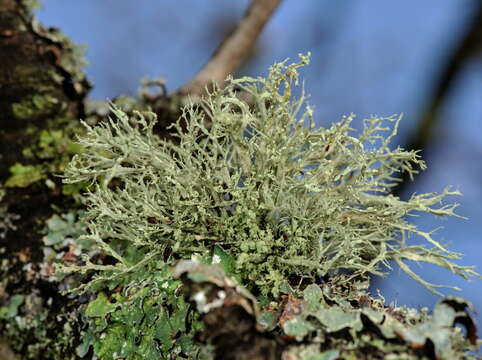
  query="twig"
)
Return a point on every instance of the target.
[{"x": 229, "y": 55}]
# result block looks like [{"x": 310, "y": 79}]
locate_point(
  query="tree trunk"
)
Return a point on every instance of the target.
[{"x": 42, "y": 92}]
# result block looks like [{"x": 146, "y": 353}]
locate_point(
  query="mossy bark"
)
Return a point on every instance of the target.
[
  {"x": 41, "y": 87},
  {"x": 40, "y": 78},
  {"x": 40, "y": 84},
  {"x": 43, "y": 92}
]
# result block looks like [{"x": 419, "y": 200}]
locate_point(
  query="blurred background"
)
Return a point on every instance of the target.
[{"x": 419, "y": 58}]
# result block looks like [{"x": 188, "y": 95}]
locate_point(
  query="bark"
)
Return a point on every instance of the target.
[
  {"x": 41, "y": 87},
  {"x": 40, "y": 83},
  {"x": 39, "y": 77}
]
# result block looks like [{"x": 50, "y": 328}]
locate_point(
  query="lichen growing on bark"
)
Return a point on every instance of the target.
[
  {"x": 254, "y": 187},
  {"x": 279, "y": 197},
  {"x": 42, "y": 95}
]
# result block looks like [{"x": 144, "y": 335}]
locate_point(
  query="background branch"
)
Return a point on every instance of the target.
[{"x": 229, "y": 55}]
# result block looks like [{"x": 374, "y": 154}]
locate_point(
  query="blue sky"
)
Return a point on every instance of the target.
[{"x": 369, "y": 57}]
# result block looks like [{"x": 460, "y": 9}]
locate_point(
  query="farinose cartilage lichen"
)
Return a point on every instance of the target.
[{"x": 257, "y": 182}]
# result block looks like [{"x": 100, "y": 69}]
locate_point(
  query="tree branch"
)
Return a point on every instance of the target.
[{"x": 229, "y": 55}]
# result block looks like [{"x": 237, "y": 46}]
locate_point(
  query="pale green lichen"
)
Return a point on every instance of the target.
[
  {"x": 259, "y": 181},
  {"x": 255, "y": 188}
]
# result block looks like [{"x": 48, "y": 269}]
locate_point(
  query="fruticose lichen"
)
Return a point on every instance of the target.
[{"x": 252, "y": 185}]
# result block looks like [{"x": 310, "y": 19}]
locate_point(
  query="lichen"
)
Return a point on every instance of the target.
[
  {"x": 35, "y": 320},
  {"x": 327, "y": 321},
  {"x": 280, "y": 197},
  {"x": 254, "y": 187},
  {"x": 145, "y": 320},
  {"x": 32, "y": 331}
]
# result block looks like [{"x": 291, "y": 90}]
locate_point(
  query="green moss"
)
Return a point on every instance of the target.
[
  {"x": 51, "y": 150},
  {"x": 34, "y": 106},
  {"x": 24, "y": 175}
]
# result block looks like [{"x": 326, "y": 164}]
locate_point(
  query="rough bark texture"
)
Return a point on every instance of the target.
[
  {"x": 40, "y": 84},
  {"x": 41, "y": 88},
  {"x": 39, "y": 77},
  {"x": 42, "y": 98}
]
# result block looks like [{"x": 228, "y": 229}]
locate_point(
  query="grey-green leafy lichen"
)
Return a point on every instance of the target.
[
  {"x": 252, "y": 185},
  {"x": 327, "y": 321}
]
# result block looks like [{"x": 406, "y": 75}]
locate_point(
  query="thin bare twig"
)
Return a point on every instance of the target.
[{"x": 229, "y": 55}]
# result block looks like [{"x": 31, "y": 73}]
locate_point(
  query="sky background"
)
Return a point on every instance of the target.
[{"x": 368, "y": 57}]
